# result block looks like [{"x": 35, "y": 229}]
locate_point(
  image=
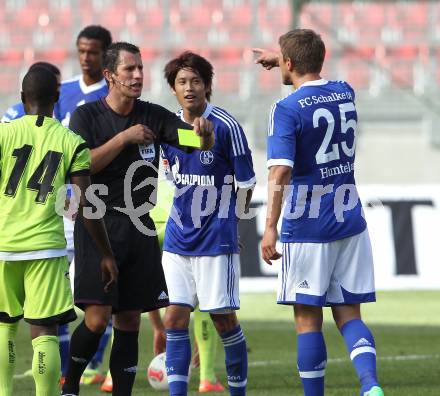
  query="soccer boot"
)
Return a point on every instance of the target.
[
  {"x": 374, "y": 391},
  {"x": 91, "y": 376},
  {"x": 107, "y": 385},
  {"x": 207, "y": 386}
]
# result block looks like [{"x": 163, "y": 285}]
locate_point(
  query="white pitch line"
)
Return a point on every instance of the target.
[
  {"x": 335, "y": 360},
  {"x": 347, "y": 360}
]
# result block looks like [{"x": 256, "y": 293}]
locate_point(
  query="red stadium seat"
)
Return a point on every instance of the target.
[{"x": 268, "y": 82}]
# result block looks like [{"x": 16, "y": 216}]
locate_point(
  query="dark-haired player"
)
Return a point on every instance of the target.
[
  {"x": 90, "y": 85},
  {"x": 37, "y": 155},
  {"x": 201, "y": 254}
]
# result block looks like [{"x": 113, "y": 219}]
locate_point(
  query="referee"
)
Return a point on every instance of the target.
[{"x": 121, "y": 130}]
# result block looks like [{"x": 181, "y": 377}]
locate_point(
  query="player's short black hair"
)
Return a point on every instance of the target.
[
  {"x": 111, "y": 56},
  {"x": 305, "y": 48},
  {"x": 96, "y": 32},
  {"x": 194, "y": 62},
  {"x": 46, "y": 65},
  {"x": 40, "y": 87}
]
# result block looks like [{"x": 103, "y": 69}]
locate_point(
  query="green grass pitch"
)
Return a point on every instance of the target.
[{"x": 406, "y": 326}]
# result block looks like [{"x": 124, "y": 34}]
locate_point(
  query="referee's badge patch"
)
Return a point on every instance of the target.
[{"x": 148, "y": 153}]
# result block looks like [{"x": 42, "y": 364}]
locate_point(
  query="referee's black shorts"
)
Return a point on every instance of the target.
[{"x": 141, "y": 284}]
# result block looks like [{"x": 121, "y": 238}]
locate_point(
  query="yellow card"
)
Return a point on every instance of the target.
[{"x": 187, "y": 137}]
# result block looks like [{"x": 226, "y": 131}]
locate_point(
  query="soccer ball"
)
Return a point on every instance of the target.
[{"x": 157, "y": 373}]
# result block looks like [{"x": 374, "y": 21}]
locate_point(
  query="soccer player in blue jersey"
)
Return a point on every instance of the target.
[
  {"x": 17, "y": 110},
  {"x": 326, "y": 256},
  {"x": 200, "y": 258},
  {"x": 90, "y": 85}
]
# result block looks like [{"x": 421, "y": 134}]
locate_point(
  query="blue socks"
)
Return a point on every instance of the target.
[
  {"x": 311, "y": 361},
  {"x": 236, "y": 361},
  {"x": 64, "y": 339},
  {"x": 178, "y": 359},
  {"x": 361, "y": 347},
  {"x": 178, "y": 352}
]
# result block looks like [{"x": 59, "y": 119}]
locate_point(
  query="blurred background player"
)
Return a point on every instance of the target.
[
  {"x": 205, "y": 347},
  {"x": 327, "y": 260},
  {"x": 90, "y": 85},
  {"x": 122, "y": 131},
  {"x": 38, "y": 154},
  {"x": 200, "y": 258}
]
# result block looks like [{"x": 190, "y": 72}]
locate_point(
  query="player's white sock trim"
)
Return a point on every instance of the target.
[
  {"x": 312, "y": 374},
  {"x": 238, "y": 384},
  {"x": 358, "y": 351},
  {"x": 176, "y": 377}
]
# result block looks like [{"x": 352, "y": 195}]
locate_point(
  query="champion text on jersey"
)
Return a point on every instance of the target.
[{"x": 194, "y": 180}]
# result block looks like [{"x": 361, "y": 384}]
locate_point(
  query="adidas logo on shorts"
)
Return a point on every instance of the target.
[
  {"x": 163, "y": 296},
  {"x": 131, "y": 369},
  {"x": 361, "y": 342},
  {"x": 304, "y": 285}
]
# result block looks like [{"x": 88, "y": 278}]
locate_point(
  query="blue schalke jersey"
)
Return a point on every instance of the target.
[
  {"x": 205, "y": 198},
  {"x": 313, "y": 130},
  {"x": 74, "y": 93},
  {"x": 14, "y": 112}
]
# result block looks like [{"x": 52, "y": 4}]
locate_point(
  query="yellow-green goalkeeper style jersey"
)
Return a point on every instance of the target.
[{"x": 37, "y": 154}]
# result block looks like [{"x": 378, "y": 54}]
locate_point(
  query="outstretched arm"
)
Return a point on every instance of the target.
[
  {"x": 267, "y": 59},
  {"x": 205, "y": 129}
]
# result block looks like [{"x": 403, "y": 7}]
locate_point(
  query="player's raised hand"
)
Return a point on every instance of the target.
[
  {"x": 138, "y": 134},
  {"x": 268, "y": 245},
  {"x": 109, "y": 271},
  {"x": 267, "y": 59},
  {"x": 205, "y": 129}
]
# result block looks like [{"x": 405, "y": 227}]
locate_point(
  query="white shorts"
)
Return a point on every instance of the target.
[
  {"x": 211, "y": 282},
  {"x": 323, "y": 274}
]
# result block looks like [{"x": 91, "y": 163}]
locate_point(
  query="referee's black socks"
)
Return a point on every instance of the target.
[
  {"x": 123, "y": 361},
  {"x": 83, "y": 346}
]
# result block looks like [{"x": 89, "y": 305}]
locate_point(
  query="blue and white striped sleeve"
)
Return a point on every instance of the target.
[
  {"x": 13, "y": 113},
  {"x": 239, "y": 152},
  {"x": 281, "y": 136}
]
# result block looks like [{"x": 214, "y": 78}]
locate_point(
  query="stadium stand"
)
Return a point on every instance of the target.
[{"x": 384, "y": 49}]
